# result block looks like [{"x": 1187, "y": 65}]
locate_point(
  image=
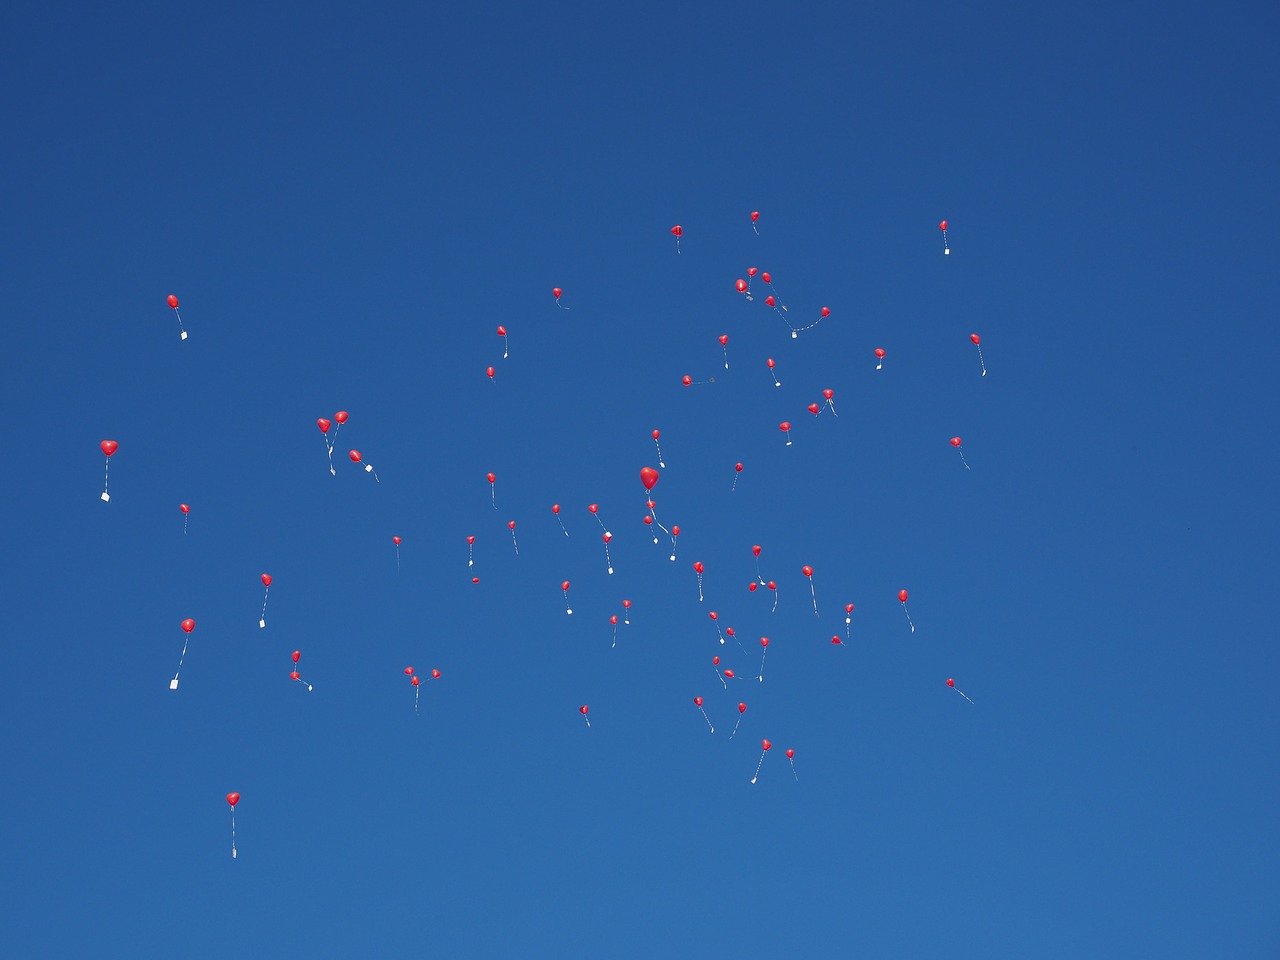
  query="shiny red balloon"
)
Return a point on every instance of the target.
[
  {"x": 396, "y": 541},
  {"x": 341, "y": 416},
  {"x": 755, "y": 550},
  {"x": 771, "y": 361},
  {"x": 770, "y": 300},
  {"x": 355, "y": 456},
  {"x": 184, "y": 508},
  {"x": 942, "y": 225},
  {"x": 648, "y": 476},
  {"x": 729, "y": 674},
  {"x": 742, "y": 708},
  {"x": 109, "y": 447},
  {"x": 791, "y": 754},
  {"x": 565, "y": 585},
  {"x": 511, "y": 524},
  {"x": 955, "y": 441},
  {"x": 435, "y": 674},
  {"x": 502, "y": 331},
  {"x": 556, "y": 292},
  {"x": 555, "y": 508},
  {"x": 738, "y": 466},
  {"x": 491, "y": 477},
  {"x": 323, "y": 424},
  {"x": 686, "y": 380},
  {"x": 173, "y": 301},
  {"x": 697, "y": 566},
  {"x": 489, "y": 372},
  {"x": 755, "y": 215},
  {"x": 740, "y": 285},
  {"x": 724, "y": 339},
  {"x": 751, "y": 271},
  {"x": 752, "y": 586},
  {"x": 295, "y": 675},
  {"x": 697, "y": 701},
  {"x": 814, "y": 409},
  {"x": 677, "y": 231},
  {"x": 583, "y": 709},
  {"x": 297, "y": 655},
  {"x": 772, "y": 585},
  {"x": 266, "y": 579},
  {"x": 471, "y": 539},
  {"x": 408, "y": 671},
  {"x": 784, "y": 426},
  {"x": 951, "y": 682},
  {"x": 766, "y": 744},
  {"x": 807, "y": 570},
  {"x": 415, "y": 681},
  {"x": 764, "y": 641},
  {"x": 825, "y": 311},
  {"x": 880, "y": 353},
  {"x": 765, "y": 277},
  {"x": 828, "y": 394},
  {"x": 902, "y": 596},
  {"x": 188, "y": 625},
  {"x": 713, "y": 615},
  {"x": 975, "y": 338},
  {"x": 233, "y": 798}
]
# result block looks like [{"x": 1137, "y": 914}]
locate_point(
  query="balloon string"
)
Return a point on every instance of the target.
[
  {"x": 708, "y": 719},
  {"x": 262, "y": 621},
  {"x": 416, "y": 691},
  {"x": 185, "y": 518},
  {"x": 847, "y": 621},
  {"x": 793, "y": 770},
  {"x": 233, "y": 833},
  {"x": 700, "y": 588},
  {"x": 758, "y": 766},
  {"x": 721, "y": 679},
  {"x": 561, "y": 522},
  {"x": 963, "y": 460},
  {"x": 673, "y": 547},
  {"x": 329, "y": 449},
  {"x": 904, "y": 610},
  {"x": 775, "y": 602},
  {"x": 368, "y": 468},
  {"x": 514, "y": 543},
  {"x": 504, "y": 346},
  {"x": 815, "y": 597},
  {"x": 981, "y": 361},
  {"x": 106, "y": 477},
  {"x": 181, "y": 658},
  {"x": 735, "y": 727},
  {"x": 588, "y": 719},
  {"x": 493, "y": 495},
  {"x": 833, "y": 408},
  {"x": 776, "y": 381},
  {"x": 305, "y": 684},
  {"x": 471, "y": 554},
  {"x": 659, "y": 446},
  {"x": 180, "y": 326},
  {"x": 735, "y": 482},
  {"x": 762, "y": 656},
  {"x": 759, "y": 575},
  {"x": 607, "y": 561}
]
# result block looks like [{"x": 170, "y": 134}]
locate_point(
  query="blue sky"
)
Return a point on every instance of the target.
[{"x": 349, "y": 203}]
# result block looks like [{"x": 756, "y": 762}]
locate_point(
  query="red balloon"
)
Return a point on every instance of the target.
[
  {"x": 724, "y": 339},
  {"x": 766, "y": 744},
  {"x": 765, "y": 277},
  {"x": 738, "y": 466},
  {"x": 408, "y": 671},
  {"x": 740, "y": 285},
  {"x": 233, "y": 798},
  {"x": 697, "y": 701},
  {"x": 266, "y": 579},
  {"x": 902, "y": 596},
  {"x": 627, "y": 604},
  {"x": 614, "y": 619},
  {"x": 751, "y": 271},
  {"x": 975, "y": 338},
  {"x": 606, "y": 536},
  {"x": 475, "y": 579},
  {"x": 942, "y": 225},
  {"x": 755, "y": 215},
  {"x": 491, "y": 477},
  {"x": 355, "y": 456},
  {"x": 807, "y": 570},
  {"x": 173, "y": 301},
  {"x": 435, "y": 674},
  {"x": 555, "y": 508},
  {"x": 770, "y": 361},
  {"x": 415, "y": 681},
  {"x": 648, "y": 520},
  {"x": 772, "y": 585},
  {"x": 951, "y": 682},
  {"x": 729, "y": 631},
  {"x": 323, "y": 424},
  {"x": 752, "y": 586},
  {"x": 511, "y": 524},
  {"x": 837, "y": 640},
  {"x": 713, "y": 615},
  {"x": 791, "y": 754},
  {"x": 188, "y": 625},
  {"x": 675, "y": 529},
  {"x": 825, "y": 311},
  {"x": 814, "y": 409},
  {"x": 341, "y": 416},
  {"x": 471, "y": 539},
  {"x": 593, "y": 507},
  {"x": 848, "y": 608},
  {"x": 502, "y": 331},
  {"x": 828, "y": 393},
  {"x": 755, "y": 550},
  {"x": 565, "y": 585},
  {"x": 742, "y": 708},
  {"x": 297, "y": 655},
  {"x": 583, "y": 709},
  {"x": 489, "y": 371},
  {"x": 677, "y": 231},
  {"x": 109, "y": 447},
  {"x": 295, "y": 675},
  {"x": 880, "y": 353},
  {"x": 656, "y": 434},
  {"x": 955, "y": 441},
  {"x": 697, "y": 566},
  {"x": 715, "y": 660},
  {"x": 396, "y": 541},
  {"x": 648, "y": 476},
  {"x": 556, "y": 292},
  {"x": 686, "y": 380},
  {"x": 729, "y": 674},
  {"x": 184, "y": 508},
  {"x": 784, "y": 426},
  {"x": 764, "y": 641},
  {"x": 770, "y": 300}
]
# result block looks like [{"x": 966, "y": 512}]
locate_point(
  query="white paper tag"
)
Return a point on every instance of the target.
[
  {"x": 184, "y": 335},
  {"x": 173, "y": 684},
  {"x": 261, "y": 624},
  {"x": 106, "y": 497}
]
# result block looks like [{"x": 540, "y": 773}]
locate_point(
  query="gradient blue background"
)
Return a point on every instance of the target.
[{"x": 348, "y": 203}]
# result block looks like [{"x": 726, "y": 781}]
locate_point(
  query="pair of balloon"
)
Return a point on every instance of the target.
[{"x": 324, "y": 425}]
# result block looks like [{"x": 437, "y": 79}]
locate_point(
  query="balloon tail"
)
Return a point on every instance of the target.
[
  {"x": 963, "y": 460},
  {"x": 607, "y": 561},
  {"x": 514, "y": 543},
  {"x": 981, "y": 361},
  {"x": 880, "y": 364},
  {"x": 735, "y": 727},
  {"x": 775, "y": 602},
  {"x": 793, "y": 770},
  {"x": 328, "y": 448},
  {"x": 814, "y": 594},
  {"x": 659, "y": 446},
  {"x": 106, "y": 477},
  {"x": 233, "y": 833},
  {"x": 904, "y": 610},
  {"x": 588, "y": 719},
  {"x": 262, "y": 620},
  {"x": 708, "y": 719},
  {"x": 721, "y": 679},
  {"x": 700, "y": 588},
  {"x": 965, "y": 695},
  {"x": 493, "y": 495},
  {"x": 173, "y": 684},
  {"x": 504, "y": 346},
  {"x": 758, "y": 766},
  {"x": 368, "y": 468},
  {"x": 733, "y": 488},
  {"x": 833, "y": 408},
  {"x": 762, "y": 656},
  {"x": 185, "y": 517},
  {"x": 561, "y": 522},
  {"x": 182, "y": 331},
  {"x": 416, "y": 692},
  {"x": 776, "y": 381}
]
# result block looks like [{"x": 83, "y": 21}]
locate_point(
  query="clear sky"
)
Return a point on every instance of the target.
[{"x": 348, "y": 202}]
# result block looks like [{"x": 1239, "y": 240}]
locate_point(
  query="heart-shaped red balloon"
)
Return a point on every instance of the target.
[
  {"x": 648, "y": 476},
  {"x": 109, "y": 447}
]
